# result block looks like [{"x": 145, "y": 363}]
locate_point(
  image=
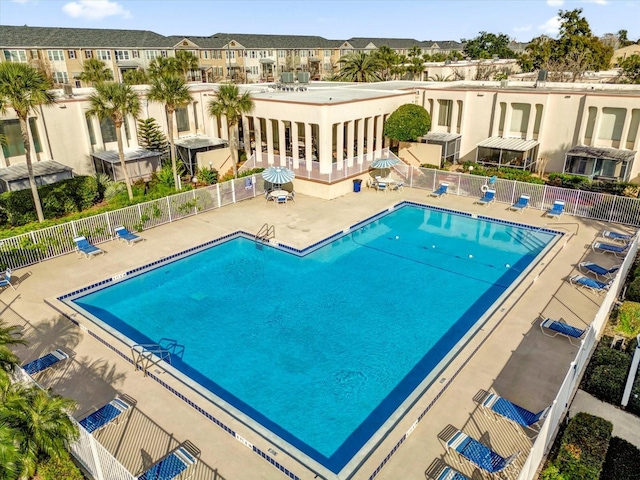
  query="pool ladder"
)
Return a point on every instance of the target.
[
  {"x": 266, "y": 233},
  {"x": 143, "y": 356}
]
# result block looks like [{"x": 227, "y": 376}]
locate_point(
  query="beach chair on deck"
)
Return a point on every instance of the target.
[
  {"x": 172, "y": 465},
  {"x": 560, "y": 327},
  {"x": 83, "y": 247},
  {"x": 590, "y": 284},
  {"x": 6, "y": 281},
  {"x": 476, "y": 452},
  {"x": 521, "y": 204},
  {"x": 488, "y": 198},
  {"x": 442, "y": 190},
  {"x": 126, "y": 236},
  {"x": 617, "y": 250},
  {"x": 112, "y": 412},
  {"x": 445, "y": 472},
  {"x": 494, "y": 403},
  {"x": 556, "y": 210},
  {"x": 44, "y": 362},
  {"x": 623, "y": 238},
  {"x": 599, "y": 271}
]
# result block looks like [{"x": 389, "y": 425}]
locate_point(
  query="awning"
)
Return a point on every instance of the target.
[
  {"x": 441, "y": 136},
  {"x": 20, "y": 172},
  {"x": 602, "y": 152},
  {"x": 111, "y": 156},
  {"x": 199, "y": 141},
  {"x": 514, "y": 144},
  {"x": 267, "y": 61}
]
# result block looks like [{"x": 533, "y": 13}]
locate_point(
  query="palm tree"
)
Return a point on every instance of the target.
[
  {"x": 9, "y": 335},
  {"x": 114, "y": 101},
  {"x": 24, "y": 88},
  {"x": 359, "y": 67},
  {"x": 161, "y": 65},
  {"x": 385, "y": 56},
  {"x": 9, "y": 454},
  {"x": 186, "y": 62},
  {"x": 95, "y": 71},
  {"x": 135, "y": 77},
  {"x": 172, "y": 91},
  {"x": 229, "y": 102}
]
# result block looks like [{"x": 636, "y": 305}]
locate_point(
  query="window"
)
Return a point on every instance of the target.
[
  {"x": 126, "y": 128},
  {"x": 15, "y": 145},
  {"x": 230, "y": 54},
  {"x": 271, "y": 53},
  {"x": 122, "y": 55},
  {"x": 282, "y": 53},
  {"x": 444, "y": 113},
  {"x": 327, "y": 53},
  {"x": 78, "y": 84},
  {"x": 217, "y": 54},
  {"x": 252, "y": 54},
  {"x": 519, "y": 118},
  {"x": 204, "y": 54},
  {"x": 182, "y": 119},
  {"x": 15, "y": 56},
  {"x": 195, "y": 114},
  {"x": 55, "y": 55},
  {"x": 151, "y": 54},
  {"x": 92, "y": 134},
  {"x": 108, "y": 130},
  {"x": 71, "y": 54},
  {"x": 34, "y": 54},
  {"x": 88, "y": 54},
  {"x": 103, "y": 54},
  {"x": 327, "y": 67},
  {"x": 135, "y": 54},
  {"x": 163, "y": 53},
  {"x": 303, "y": 53},
  {"x": 60, "y": 77}
]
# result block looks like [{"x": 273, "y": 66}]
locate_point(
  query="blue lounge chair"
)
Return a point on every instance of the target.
[
  {"x": 488, "y": 197},
  {"x": 111, "y": 412},
  {"x": 442, "y": 190},
  {"x": 170, "y": 466},
  {"x": 448, "y": 473},
  {"x": 501, "y": 406},
  {"x": 521, "y": 204},
  {"x": 126, "y": 236},
  {"x": 44, "y": 362},
  {"x": 617, "y": 250},
  {"x": 83, "y": 247},
  {"x": 381, "y": 186},
  {"x": 478, "y": 453},
  {"x": 623, "y": 238},
  {"x": 248, "y": 183},
  {"x": 6, "y": 281},
  {"x": 591, "y": 284},
  {"x": 556, "y": 210},
  {"x": 560, "y": 327},
  {"x": 598, "y": 270}
]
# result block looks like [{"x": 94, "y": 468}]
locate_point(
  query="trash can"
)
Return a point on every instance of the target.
[{"x": 357, "y": 183}]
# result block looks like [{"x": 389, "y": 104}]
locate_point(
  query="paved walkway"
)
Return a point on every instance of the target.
[{"x": 625, "y": 425}]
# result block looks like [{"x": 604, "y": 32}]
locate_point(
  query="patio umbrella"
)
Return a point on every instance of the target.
[
  {"x": 384, "y": 163},
  {"x": 278, "y": 175}
]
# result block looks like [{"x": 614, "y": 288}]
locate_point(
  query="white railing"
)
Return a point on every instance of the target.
[
  {"x": 570, "y": 385},
  {"x": 41, "y": 245}
]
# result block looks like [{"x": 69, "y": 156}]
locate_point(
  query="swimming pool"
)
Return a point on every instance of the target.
[{"x": 324, "y": 348}]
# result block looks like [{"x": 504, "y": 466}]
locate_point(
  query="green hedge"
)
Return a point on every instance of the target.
[
  {"x": 628, "y": 318},
  {"x": 622, "y": 461},
  {"x": 583, "y": 447},
  {"x": 58, "y": 469},
  {"x": 606, "y": 374},
  {"x": 564, "y": 180},
  {"x": 504, "y": 173}
]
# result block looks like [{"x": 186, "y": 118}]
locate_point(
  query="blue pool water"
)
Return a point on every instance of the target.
[{"x": 321, "y": 349}]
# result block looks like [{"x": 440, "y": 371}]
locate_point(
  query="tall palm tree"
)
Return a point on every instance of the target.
[
  {"x": 114, "y": 101},
  {"x": 9, "y": 454},
  {"x": 9, "y": 335},
  {"x": 186, "y": 62},
  {"x": 385, "y": 56},
  {"x": 24, "y": 88},
  {"x": 228, "y": 101},
  {"x": 161, "y": 65},
  {"x": 172, "y": 91},
  {"x": 95, "y": 71},
  {"x": 359, "y": 67}
]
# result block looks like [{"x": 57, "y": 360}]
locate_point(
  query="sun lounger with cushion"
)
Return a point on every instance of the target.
[
  {"x": 598, "y": 270},
  {"x": 44, "y": 362},
  {"x": 111, "y": 412},
  {"x": 478, "y": 453},
  {"x": 560, "y": 327},
  {"x": 591, "y": 284},
  {"x": 122, "y": 233},
  {"x": 556, "y": 210},
  {"x": 623, "y": 238},
  {"x": 488, "y": 198},
  {"x": 442, "y": 190},
  {"x": 501, "y": 406},
  {"x": 83, "y": 247},
  {"x": 170, "y": 466},
  {"x": 521, "y": 204},
  {"x": 617, "y": 250},
  {"x": 448, "y": 473},
  {"x": 6, "y": 281}
]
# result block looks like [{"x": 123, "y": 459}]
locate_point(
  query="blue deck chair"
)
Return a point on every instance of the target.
[
  {"x": 126, "y": 236},
  {"x": 560, "y": 327},
  {"x": 498, "y": 405},
  {"x": 170, "y": 466},
  {"x": 448, "y": 473},
  {"x": 44, "y": 362},
  {"x": 556, "y": 210},
  {"x": 478, "y": 453},
  {"x": 381, "y": 186},
  {"x": 623, "y": 238},
  {"x": 488, "y": 197},
  {"x": 598, "y": 270},
  {"x": 521, "y": 204},
  {"x": 6, "y": 281},
  {"x": 617, "y": 250},
  {"x": 442, "y": 190},
  {"x": 83, "y": 247},
  {"x": 111, "y": 412},
  {"x": 248, "y": 183},
  {"x": 590, "y": 284}
]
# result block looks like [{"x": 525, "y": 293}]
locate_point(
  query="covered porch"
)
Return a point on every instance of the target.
[
  {"x": 187, "y": 149},
  {"x": 140, "y": 163},
  {"x": 450, "y": 143},
  {"x": 599, "y": 163},
  {"x": 508, "y": 152}
]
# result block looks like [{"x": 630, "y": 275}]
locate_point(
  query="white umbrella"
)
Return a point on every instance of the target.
[
  {"x": 384, "y": 163},
  {"x": 278, "y": 175}
]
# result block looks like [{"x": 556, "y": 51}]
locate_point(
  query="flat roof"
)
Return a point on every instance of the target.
[
  {"x": 40, "y": 169},
  {"x": 130, "y": 155},
  {"x": 602, "y": 152},
  {"x": 199, "y": 141},
  {"x": 327, "y": 94},
  {"x": 441, "y": 136},
  {"x": 516, "y": 144}
]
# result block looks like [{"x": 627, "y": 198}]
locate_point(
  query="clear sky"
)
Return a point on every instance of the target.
[{"x": 333, "y": 19}]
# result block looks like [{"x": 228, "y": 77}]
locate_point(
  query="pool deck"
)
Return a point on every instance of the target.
[{"x": 509, "y": 355}]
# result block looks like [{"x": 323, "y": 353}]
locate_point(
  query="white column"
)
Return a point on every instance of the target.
[
  {"x": 350, "y": 140},
  {"x": 308, "y": 150},
  {"x": 269, "y": 141},
  {"x": 340, "y": 145},
  {"x": 596, "y": 127},
  {"x": 360, "y": 139},
  {"x": 454, "y": 117},
  {"x": 379, "y": 129},
  {"x": 258, "y": 134},
  {"x": 436, "y": 114},
  {"x": 246, "y": 137},
  {"x": 281, "y": 144},
  {"x": 507, "y": 121},
  {"x": 325, "y": 147},
  {"x": 625, "y": 128},
  {"x": 294, "y": 144},
  {"x": 532, "y": 122},
  {"x": 370, "y": 138}
]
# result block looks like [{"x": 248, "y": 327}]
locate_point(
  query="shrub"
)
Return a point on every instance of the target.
[
  {"x": 583, "y": 447},
  {"x": 622, "y": 461},
  {"x": 629, "y": 318},
  {"x": 407, "y": 123},
  {"x": 62, "y": 468},
  {"x": 633, "y": 290},
  {"x": 583, "y": 183},
  {"x": 551, "y": 473},
  {"x": 606, "y": 382},
  {"x": 208, "y": 176}
]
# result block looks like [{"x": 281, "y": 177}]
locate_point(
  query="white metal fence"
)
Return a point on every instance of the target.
[
  {"x": 576, "y": 369},
  {"x": 41, "y": 245}
]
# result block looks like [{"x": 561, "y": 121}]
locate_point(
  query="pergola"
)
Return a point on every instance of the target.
[
  {"x": 599, "y": 162},
  {"x": 140, "y": 163},
  {"x": 508, "y": 152}
]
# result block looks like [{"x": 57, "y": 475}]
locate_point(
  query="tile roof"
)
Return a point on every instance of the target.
[{"x": 24, "y": 36}]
